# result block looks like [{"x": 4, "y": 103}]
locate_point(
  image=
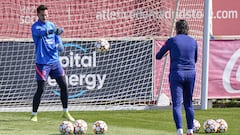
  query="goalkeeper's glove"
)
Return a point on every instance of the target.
[
  {"x": 51, "y": 31},
  {"x": 60, "y": 47},
  {"x": 57, "y": 31}
]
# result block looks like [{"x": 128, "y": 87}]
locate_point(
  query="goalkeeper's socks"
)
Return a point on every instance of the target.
[
  {"x": 65, "y": 110},
  {"x": 34, "y": 113}
]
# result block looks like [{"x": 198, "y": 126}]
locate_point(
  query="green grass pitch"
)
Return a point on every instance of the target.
[{"x": 146, "y": 122}]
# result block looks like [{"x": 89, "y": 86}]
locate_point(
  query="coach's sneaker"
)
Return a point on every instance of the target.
[
  {"x": 190, "y": 132},
  {"x": 68, "y": 116},
  {"x": 34, "y": 118},
  {"x": 180, "y": 131}
]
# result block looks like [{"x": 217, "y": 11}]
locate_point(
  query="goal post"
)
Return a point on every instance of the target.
[
  {"x": 205, "y": 63},
  {"x": 125, "y": 77}
]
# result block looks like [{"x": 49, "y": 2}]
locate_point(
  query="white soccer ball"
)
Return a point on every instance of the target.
[
  {"x": 100, "y": 127},
  {"x": 196, "y": 126},
  {"x": 102, "y": 45},
  {"x": 222, "y": 126},
  {"x": 80, "y": 127},
  {"x": 210, "y": 126},
  {"x": 66, "y": 128}
]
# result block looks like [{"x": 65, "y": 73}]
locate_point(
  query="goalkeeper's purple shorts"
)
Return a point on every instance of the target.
[{"x": 54, "y": 70}]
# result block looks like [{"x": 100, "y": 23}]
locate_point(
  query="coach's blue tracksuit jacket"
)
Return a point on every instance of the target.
[{"x": 183, "y": 52}]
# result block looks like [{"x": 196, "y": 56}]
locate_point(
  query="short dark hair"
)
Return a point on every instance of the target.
[
  {"x": 182, "y": 27},
  {"x": 41, "y": 7}
]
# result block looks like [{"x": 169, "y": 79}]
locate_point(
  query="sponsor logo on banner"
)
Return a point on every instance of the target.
[
  {"x": 75, "y": 60},
  {"x": 228, "y": 70}
]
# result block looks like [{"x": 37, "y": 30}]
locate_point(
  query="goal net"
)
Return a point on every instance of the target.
[{"x": 126, "y": 77}]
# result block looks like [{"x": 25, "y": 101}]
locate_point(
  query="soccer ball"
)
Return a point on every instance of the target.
[
  {"x": 102, "y": 45},
  {"x": 210, "y": 126},
  {"x": 196, "y": 126},
  {"x": 222, "y": 126},
  {"x": 100, "y": 127},
  {"x": 80, "y": 127},
  {"x": 66, "y": 128}
]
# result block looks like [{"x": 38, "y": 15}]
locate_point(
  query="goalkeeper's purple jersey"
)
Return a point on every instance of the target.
[
  {"x": 183, "y": 52},
  {"x": 46, "y": 51}
]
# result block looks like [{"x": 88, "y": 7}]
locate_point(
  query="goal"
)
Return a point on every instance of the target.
[{"x": 126, "y": 77}]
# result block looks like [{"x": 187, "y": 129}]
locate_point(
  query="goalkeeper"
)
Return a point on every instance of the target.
[
  {"x": 48, "y": 44},
  {"x": 183, "y": 56}
]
